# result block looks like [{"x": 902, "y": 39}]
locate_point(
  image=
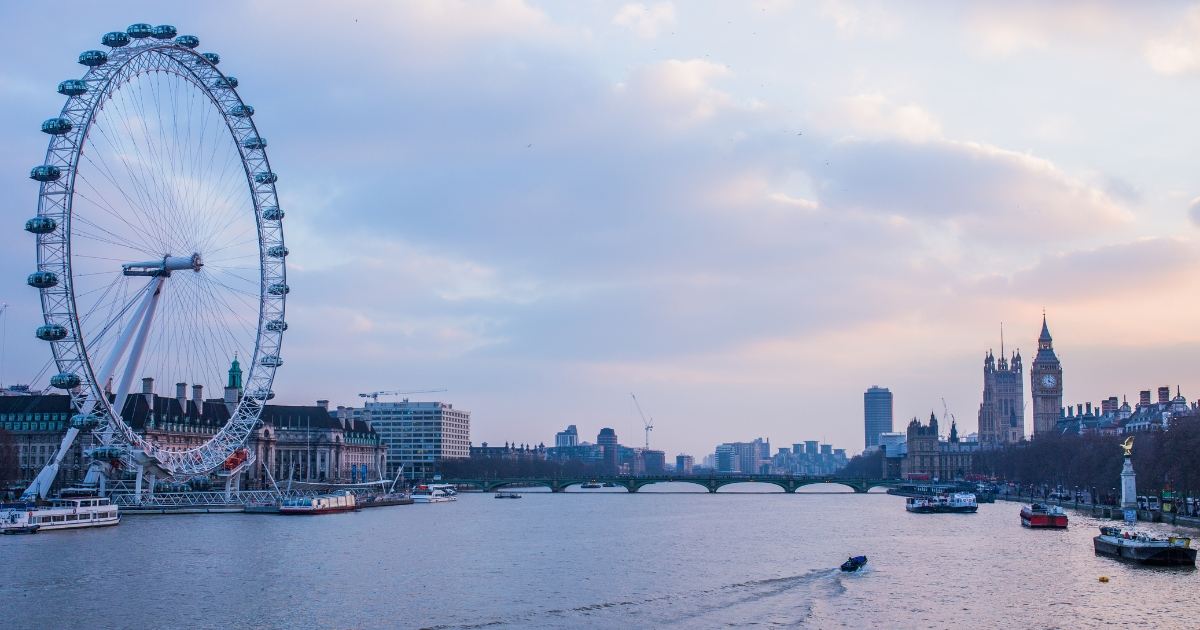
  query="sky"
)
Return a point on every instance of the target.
[{"x": 745, "y": 213}]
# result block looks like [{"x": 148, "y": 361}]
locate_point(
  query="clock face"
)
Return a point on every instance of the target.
[{"x": 1049, "y": 380}]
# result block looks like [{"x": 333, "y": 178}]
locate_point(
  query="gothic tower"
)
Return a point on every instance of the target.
[
  {"x": 1045, "y": 379},
  {"x": 1002, "y": 412}
]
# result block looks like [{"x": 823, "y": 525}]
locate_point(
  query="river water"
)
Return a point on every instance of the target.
[{"x": 589, "y": 559}]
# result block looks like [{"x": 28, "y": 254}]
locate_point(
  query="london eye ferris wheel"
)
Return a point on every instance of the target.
[{"x": 160, "y": 248}]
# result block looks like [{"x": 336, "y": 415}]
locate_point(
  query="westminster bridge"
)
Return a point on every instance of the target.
[{"x": 633, "y": 483}]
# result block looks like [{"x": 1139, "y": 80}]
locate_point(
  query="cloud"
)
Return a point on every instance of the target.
[
  {"x": 1177, "y": 52},
  {"x": 1010, "y": 28},
  {"x": 996, "y": 195},
  {"x": 681, "y": 91},
  {"x": 1194, "y": 211},
  {"x": 645, "y": 21},
  {"x": 875, "y": 116}
]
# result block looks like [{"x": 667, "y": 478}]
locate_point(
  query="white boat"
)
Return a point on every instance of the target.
[
  {"x": 70, "y": 513},
  {"x": 434, "y": 493},
  {"x": 321, "y": 504}
]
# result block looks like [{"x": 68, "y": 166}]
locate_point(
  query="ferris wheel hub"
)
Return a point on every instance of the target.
[{"x": 163, "y": 267}]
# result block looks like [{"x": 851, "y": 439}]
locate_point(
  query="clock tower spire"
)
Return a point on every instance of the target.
[{"x": 1046, "y": 384}]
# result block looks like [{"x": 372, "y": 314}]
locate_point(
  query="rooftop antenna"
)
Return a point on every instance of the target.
[{"x": 1001, "y": 339}]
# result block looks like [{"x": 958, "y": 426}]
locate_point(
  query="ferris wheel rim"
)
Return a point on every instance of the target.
[{"x": 56, "y": 200}]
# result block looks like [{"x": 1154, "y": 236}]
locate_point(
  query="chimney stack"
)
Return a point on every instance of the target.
[
  {"x": 148, "y": 385},
  {"x": 1089, "y": 408},
  {"x": 1164, "y": 395},
  {"x": 1144, "y": 398},
  {"x": 181, "y": 395},
  {"x": 324, "y": 404},
  {"x": 198, "y": 398}
]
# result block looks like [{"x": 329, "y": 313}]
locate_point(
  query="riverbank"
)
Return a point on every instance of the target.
[{"x": 1109, "y": 511}]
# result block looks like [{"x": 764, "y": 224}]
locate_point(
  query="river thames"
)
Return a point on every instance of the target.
[{"x": 589, "y": 559}]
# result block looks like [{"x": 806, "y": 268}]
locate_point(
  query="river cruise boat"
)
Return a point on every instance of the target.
[
  {"x": 64, "y": 513},
  {"x": 1145, "y": 548},
  {"x": 956, "y": 503},
  {"x": 433, "y": 493},
  {"x": 1043, "y": 516},
  {"x": 321, "y": 504},
  {"x": 507, "y": 495},
  {"x": 591, "y": 485}
]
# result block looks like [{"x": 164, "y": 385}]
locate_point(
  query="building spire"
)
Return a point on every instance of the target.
[
  {"x": 1001, "y": 339},
  {"x": 235, "y": 373},
  {"x": 1045, "y": 336}
]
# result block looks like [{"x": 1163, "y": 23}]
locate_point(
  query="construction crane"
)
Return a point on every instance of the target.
[
  {"x": 374, "y": 396},
  {"x": 649, "y": 424}
]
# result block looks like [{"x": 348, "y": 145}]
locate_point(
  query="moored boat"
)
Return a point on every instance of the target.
[
  {"x": 956, "y": 503},
  {"x": 321, "y": 504},
  {"x": 62, "y": 513},
  {"x": 1041, "y": 515},
  {"x": 1145, "y": 548},
  {"x": 432, "y": 493}
]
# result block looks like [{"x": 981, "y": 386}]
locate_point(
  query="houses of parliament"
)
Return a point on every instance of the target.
[{"x": 1002, "y": 411}]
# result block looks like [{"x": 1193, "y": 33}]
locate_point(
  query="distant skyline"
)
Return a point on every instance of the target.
[{"x": 745, "y": 213}]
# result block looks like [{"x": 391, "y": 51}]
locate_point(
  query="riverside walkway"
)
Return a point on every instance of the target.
[{"x": 633, "y": 483}]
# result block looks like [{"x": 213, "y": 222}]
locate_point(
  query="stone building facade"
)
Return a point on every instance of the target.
[
  {"x": 304, "y": 442},
  {"x": 928, "y": 457},
  {"x": 1002, "y": 412}
]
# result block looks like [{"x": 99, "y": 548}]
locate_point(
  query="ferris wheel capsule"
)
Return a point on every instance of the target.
[
  {"x": 140, "y": 30},
  {"x": 115, "y": 39},
  {"x": 40, "y": 225},
  {"x": 278, "y": 251},
  {"x": 271, "y": 360},
  {"x": 65, "y": 380},
  {"x": 241, "y": 111},
  {"x": 56, "y": 126},
  {"x": 277, "y": 325},
  {"x": 45, "y": 173},
  {"x": 272, "y": 213},
  {"x": 188, "y": 41},
  {"x": 163, "y": 31},
  {"x": 84, "y": 422},
  {"x": 212, "y": 58},
  {"x": 51, "y": 332},
  {"x": 277, "y": 288},
  {"x": 227, "y": 81},
  {"x": 254, "y": 143},
  {"x": 266, "y": 177},
  {"x": 73, "y": 87},
  {"x": 42, "y": 279},
  {"x": 93, "y": 58}
]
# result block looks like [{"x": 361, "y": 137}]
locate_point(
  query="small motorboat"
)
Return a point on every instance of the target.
[
  {"x": 22, "y": 529},
  {"x": 854, "y": 563}
]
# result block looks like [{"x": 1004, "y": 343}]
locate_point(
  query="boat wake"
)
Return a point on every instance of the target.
[{"x": 782, "y": 601}]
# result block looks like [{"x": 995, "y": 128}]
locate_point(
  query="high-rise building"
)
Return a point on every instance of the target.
[
  {"x": 684, "y": 464},
  {"x": 877, "y": 414},
  {"x": 419, "y": 434},
  {"x": 607, "y": 440},
  {"x": 1045, "y": 379},
  {"x": 1002, "y": 412},
  {"x": 726, "y": 459},
  {"x": 567, "y": 437},
  {"x": 653, "y": 462}
]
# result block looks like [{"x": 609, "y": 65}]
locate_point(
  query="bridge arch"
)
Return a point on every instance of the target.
[
  {"x": 784, "y": 485},
  {"x": 855, "y": 487},
  {"x": 698, "y": 481}
]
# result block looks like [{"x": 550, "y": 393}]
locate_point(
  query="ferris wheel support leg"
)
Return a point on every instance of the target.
[
  {"x": 114, "y": 356},
  {"x": 139, "y": 333},
  {"x": 41, "y": 484},
  {"x": 137, "y": 492}
]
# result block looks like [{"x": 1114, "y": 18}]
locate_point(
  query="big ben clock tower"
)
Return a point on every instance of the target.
[{"x": 1046, "y": 384}]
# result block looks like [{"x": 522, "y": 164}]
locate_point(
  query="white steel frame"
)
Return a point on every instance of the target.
[{"x": 124, "y": 64}]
